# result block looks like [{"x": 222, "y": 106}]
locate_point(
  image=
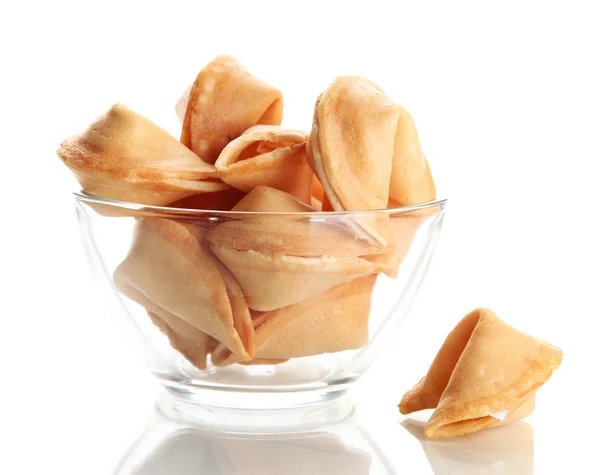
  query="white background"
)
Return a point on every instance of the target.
[{"x": 506, "y": 97}]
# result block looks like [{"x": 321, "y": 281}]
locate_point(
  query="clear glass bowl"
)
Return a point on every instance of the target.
[{"x": 326, "y": 293}]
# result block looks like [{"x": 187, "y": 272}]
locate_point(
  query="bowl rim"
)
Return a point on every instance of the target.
[{"x": 82, "y": 196}]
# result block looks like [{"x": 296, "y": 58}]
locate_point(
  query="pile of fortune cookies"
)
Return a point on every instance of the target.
[{"x": 268, "y": 287}]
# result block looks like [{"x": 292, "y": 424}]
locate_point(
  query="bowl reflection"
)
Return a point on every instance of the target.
[{"x": 169, "y": 447}]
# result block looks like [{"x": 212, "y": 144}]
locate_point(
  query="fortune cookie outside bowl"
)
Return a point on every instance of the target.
[{"x": 485, "y": 374}]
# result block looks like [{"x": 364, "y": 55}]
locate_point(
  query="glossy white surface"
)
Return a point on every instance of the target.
[
  {"x": 506, "y": 99},
  {"x": 353, "y": 446}
]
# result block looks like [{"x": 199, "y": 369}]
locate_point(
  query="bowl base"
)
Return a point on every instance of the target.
[{"x": 252, "y": 412}]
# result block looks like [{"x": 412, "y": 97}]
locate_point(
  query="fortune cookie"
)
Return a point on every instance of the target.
[
  {"x": 263, "y": 361},
  {"x": 264, "y": 199},
  {"x": 316, "y": 194},
  {"x": 366, "y": 152},
  {"x": 123, "y": 156},
  {"x": 268, "y": 155},
  {"x": 485, "y": 374},
  {"x": 336, "y": 320},
  {"x": 168, "y": 270},
  {"x": 217, "y": 201},
  {"x": 403, "y": 228},
  {"x": 224, "y": 101},
  {"x": 183, "y": 337},
  {"x": 279, "y": 262},
  {"x": 351, "y": 144},
  {"x": 365, "y": 149}
]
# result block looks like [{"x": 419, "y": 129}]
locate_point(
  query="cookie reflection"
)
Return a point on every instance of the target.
[
  {"x": 505, "y": 450},
  {"x": 167, "y": 447}
]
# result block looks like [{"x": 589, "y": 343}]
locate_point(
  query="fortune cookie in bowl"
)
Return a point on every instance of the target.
[
  {"x": 270, "y": 156},
  {"x": 123, "y": 156},
  {"x": 403, "y": 227},
  {"x": 365, "y": 150},
  {"x": 170, "y": 273},
  {"x": 223, "y": 102},
  {"x": 336, "y": 320},
  {"x": 223, "y": 200},
  {"x": 485, "y": 374},
  {"x": 317, "y": 194},
  {"x": 192, "y": 343},
  {"x": 279, "y": 262}
]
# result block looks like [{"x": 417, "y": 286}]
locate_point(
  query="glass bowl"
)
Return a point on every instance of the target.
[{"x": 258, "y": 312}]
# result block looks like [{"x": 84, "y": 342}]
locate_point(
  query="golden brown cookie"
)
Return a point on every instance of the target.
[
  {"x": 183, "y": 337},
  {"x": 402, "y": 230},
  {"x": 267, "y": 155},
  {"x": 280, "y": 261},
  {"x": 485, "y": 374},
  {"x": 217, "y": 201},
  {"x": 225, "y": 100},
  {"x": 123, "y": 156},
  {"x": 168, "y": 270},
  {"x": 366, "y": 153},
  {"x": 336, "y": 320}
]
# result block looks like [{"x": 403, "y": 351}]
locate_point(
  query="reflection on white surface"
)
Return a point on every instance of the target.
[
  {"x": 167, "y": 447},
  {"x": 504, "y": 450},
  {"x": 189, "y": 452}
]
